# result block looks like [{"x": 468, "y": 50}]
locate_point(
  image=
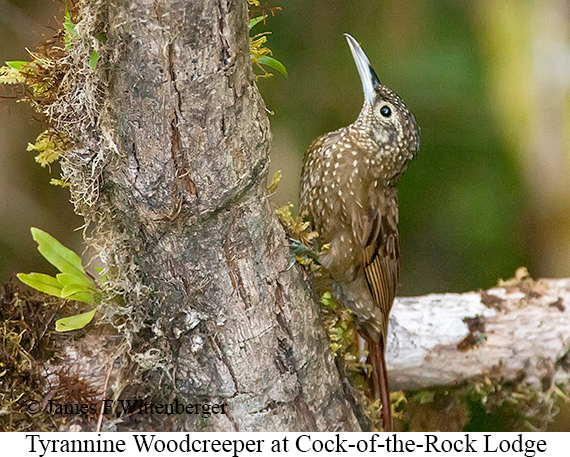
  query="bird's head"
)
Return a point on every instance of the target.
[{"x": 386, "y": 118}]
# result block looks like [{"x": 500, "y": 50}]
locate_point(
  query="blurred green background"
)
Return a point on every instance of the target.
[{"x": 488, "y": 81}]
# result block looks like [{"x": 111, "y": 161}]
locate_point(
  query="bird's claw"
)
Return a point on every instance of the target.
[
  {"x": 298, "y": 249},
  {"x": 293, "y": 261}
]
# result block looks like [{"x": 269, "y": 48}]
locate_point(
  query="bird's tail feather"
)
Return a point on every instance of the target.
[{"x": 380, "y": 386}]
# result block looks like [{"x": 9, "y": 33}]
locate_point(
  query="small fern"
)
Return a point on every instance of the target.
[{"x": 71, "y": 283}]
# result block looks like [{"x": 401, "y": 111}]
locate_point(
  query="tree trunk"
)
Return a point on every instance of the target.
[{"x": 170, "y": 170}]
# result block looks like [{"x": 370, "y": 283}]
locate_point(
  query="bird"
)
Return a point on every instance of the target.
[{"x": 348, "y": 192}]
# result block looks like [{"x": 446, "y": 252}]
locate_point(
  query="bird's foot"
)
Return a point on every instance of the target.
[{"x": 301, "y": 253}]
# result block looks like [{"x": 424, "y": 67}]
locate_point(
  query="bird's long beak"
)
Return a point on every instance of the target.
[{"x": 365, "y": 70}]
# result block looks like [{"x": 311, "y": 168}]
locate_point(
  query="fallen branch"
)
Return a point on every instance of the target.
[{"x": 520, "y": 331}]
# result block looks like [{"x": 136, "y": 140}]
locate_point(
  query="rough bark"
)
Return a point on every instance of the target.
[
  {"x": 182, "y": 201},
  {"x": 516, "y": 333}
]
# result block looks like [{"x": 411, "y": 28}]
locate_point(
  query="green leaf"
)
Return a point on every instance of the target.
[
  {"x": 78, "y": 293},
  {"x": 68, "y": 25},
  {"x": 255, "y": 21},
  {"x": 74, "y": 322},
  {"x": 43, "y": 283},
  {"x": 103, "y": 277},
  {"x": 326, "y": 300},
  {"x": 72, "y": 289},
  {"x": 17, "y": 64},
  {"x": 93, "y": 59},
  {"x": 84, "y": 296},
  {"x": 273, "y": 63},
  {"x": 64, "y": 259},
  {"x": 66, "y": 279},
  {"x": 69, "y": 29}
]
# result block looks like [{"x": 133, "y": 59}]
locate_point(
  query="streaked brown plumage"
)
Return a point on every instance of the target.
[{"x": 348, "y": 191}]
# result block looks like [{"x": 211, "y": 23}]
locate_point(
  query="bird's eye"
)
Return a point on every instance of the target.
[{"x": 386, "y": 111}]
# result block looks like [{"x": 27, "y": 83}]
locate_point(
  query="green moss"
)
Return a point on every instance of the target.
[
  {"x": 482, "y": 404},
  {"x": 48, "y": 146}
]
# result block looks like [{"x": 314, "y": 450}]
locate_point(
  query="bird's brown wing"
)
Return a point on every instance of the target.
[
  {"x": 380, "y": 249},
  {"x": 377, "y": 232}
]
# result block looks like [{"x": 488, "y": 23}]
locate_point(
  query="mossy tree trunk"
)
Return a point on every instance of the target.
[{"x": 176, "y": 157}]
